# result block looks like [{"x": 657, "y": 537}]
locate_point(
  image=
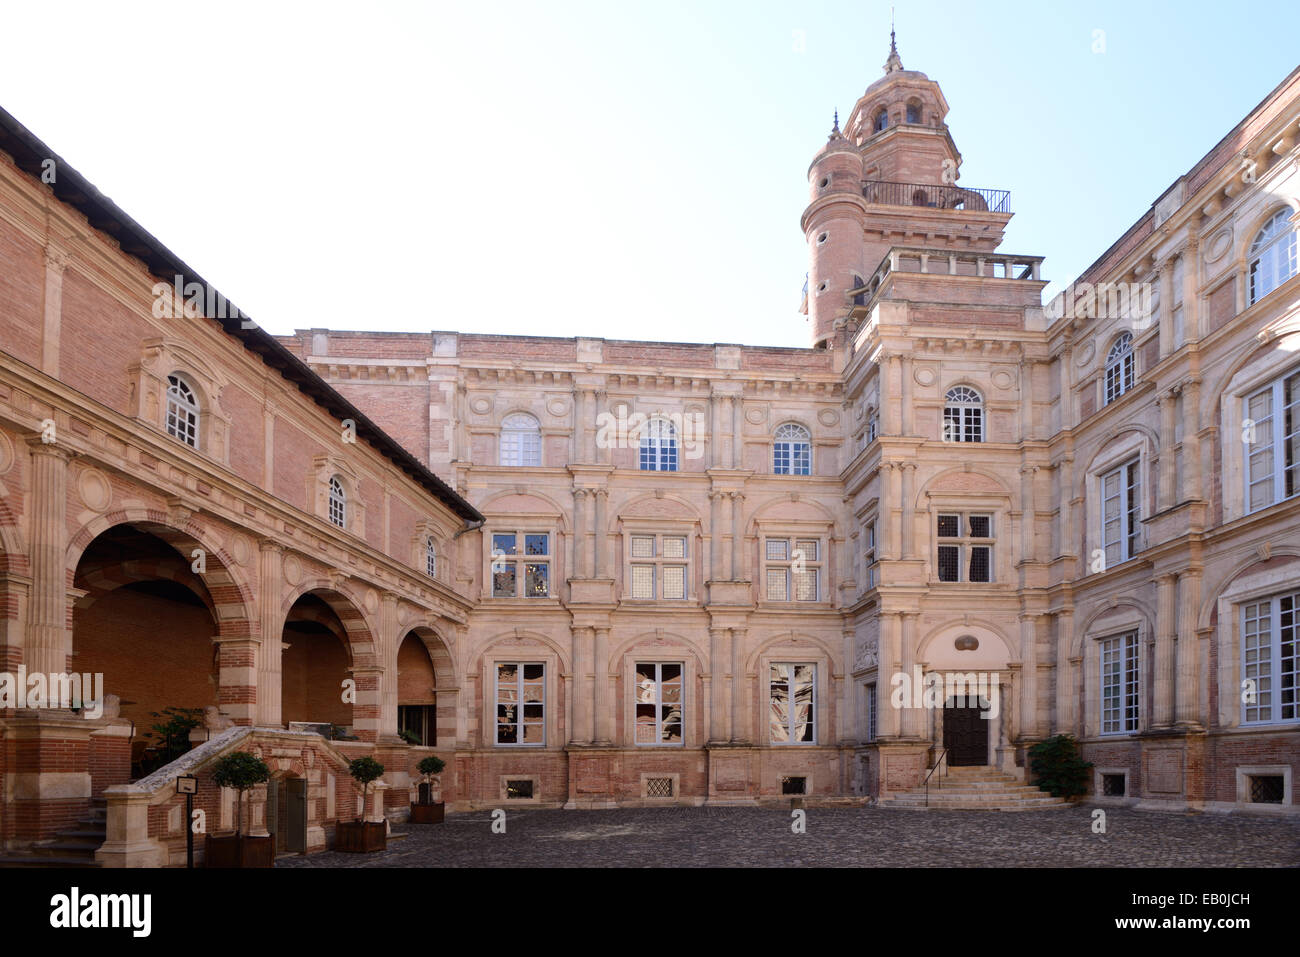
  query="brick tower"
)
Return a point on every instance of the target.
[{"x": 888, "y": 179}]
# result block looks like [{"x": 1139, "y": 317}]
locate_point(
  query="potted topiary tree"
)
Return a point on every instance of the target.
[
  {"x": 242, "y": 772},
  {"x": 361, "y": 835},
  {"x": 427, "y": 810}
]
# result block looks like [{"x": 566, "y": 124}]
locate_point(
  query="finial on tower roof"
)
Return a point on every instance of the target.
[
  {"x": 894, "y": 63},
  {"x": 836, "y": 127}
]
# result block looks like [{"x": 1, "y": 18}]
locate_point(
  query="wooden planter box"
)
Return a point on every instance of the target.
[
  {"x": 231, "y": 850},
  {"x": 357, "y": 837},
  {"x": 427, "y": 813}
]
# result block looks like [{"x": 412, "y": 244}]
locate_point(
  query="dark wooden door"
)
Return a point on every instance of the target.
[
  {"x": 295, "y": 823},
  {"x": 966, "y": 736}
]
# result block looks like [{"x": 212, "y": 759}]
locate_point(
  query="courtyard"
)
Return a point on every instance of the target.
[{"x": 837, "y": 837}]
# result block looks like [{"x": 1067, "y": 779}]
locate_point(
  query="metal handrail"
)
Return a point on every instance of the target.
[
  {"x": 937, "y": 765},
  {"x": 937, "y": 196}
]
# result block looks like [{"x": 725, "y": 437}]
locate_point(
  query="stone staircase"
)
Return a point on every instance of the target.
[
  {"x": 975, "y": 789},
  {"x": 72, "y": 847}
]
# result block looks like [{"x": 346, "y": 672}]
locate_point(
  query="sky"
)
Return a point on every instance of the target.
[{"x": 623, "y": 169}]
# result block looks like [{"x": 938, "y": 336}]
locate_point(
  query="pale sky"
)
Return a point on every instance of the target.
[{"x": 620, "y": 169}]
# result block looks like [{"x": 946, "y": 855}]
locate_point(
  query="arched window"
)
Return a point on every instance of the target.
[
  {"x": 659, "y": 446},
  {"x": 882, "y": 120},
  {"x": 963, "y": 415},
  {"x": 792, "y": 450},
  {"x": 338, "y": 502},
  {"x": 182, "y": 411},
  {"x": 431, "y": 558},
  {"x": 1119, "y": 367},
  {"x": 521, "y": 440},
  {"x": 914, "y": 112},
  {"x": 1272, "y": 255}
]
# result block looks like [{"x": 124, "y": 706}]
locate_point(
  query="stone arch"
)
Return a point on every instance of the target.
[
  {"x": 983, "y": 659},
  {"x": 619, "y": 511},
  {"x": 444, "y": 664},
  {"x": 832, "y": 655},
  {"x": 231, "y": 601},
  {"x": 1272, "y": 337},
  {"x": 627, "y": 645},
  {"x": 822, "y": 513},
  {"x": 1246, "y": 566},
  {"x": 1086, "y": 621},
  {"x": 999, "y": 487},
  {"x": 561, "y": 655},
  {"x": 1151, "y": 448},
  {"x": 359, "y": 637},
  {"x": 558, "y": 512}
]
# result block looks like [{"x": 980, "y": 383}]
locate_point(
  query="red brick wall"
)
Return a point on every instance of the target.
[
  {"x": 293, "y": 454},
  {"x": 314, "y": 667},
  {"x": 22, "y": 291},
  {"x": 415, "y": 676},
  {"x": 110, "y": 762},
  {"x": 247, "y": 445},
  {"x": 154, "y": 653},
  {"x": 91, "y": 358}
]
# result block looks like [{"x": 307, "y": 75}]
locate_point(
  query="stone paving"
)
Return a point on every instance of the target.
[{"x": 836, "y": 837}]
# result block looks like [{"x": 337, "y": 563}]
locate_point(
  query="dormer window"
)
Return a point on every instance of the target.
[
  {"x": 182, "y": 411},
  {"x": 882, "y": 120}
]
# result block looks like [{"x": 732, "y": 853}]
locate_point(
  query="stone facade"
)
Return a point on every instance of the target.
[{"x": 593, "y": 572}]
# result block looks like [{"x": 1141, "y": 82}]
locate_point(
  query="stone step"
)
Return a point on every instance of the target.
[
  {"x": 88, "y": 833},
  {"x": 62, "y": 848},
  {"x": 1031, "y": 804},
  {"x": 32, "y": 860}
]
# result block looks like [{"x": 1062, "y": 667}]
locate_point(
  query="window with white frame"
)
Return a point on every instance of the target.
[
  {"x": 792, "y": 694},
  {"x": 431, "y": 558},
  {"x": 963, "y": 415},
  {"x": 869, "y": 552},
  {"x": 657, "y": 566},
  {"x": 1270, "y": 633},
  {"x": 1121, "y": 513},
  {"x": 791, "y": 568},
  {"x": 521, "y": 564},
  {"x": 1272, "y": 439},
  {"x": 1272, "y": 255},
  {"x": 521, "y": 703},
  {"x": 965, "y": 546},
  {"x": 182, "y": 411},
  {"x": 658, "y": 703},
  {"x": 871, "y": 712},
  {"x": 792, "y": 450},
  {"x": 1119, "y": 683},
  {"x": 1119, "y": 367},
  {"x": 338, "y": 502},
  {"x": 658, "y": 446},
  {"x": 521, "y": 440}
]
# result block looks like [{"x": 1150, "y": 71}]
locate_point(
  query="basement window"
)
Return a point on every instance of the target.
[
  {"x": 1266, "y": 789},
  {"x": 519, "y": 789},
  {"x": 794, "y": 785},
  {"x": 1113, "y": 785}
]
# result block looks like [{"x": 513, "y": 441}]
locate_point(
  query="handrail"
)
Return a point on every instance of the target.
[{"x": 936, "y": 767}]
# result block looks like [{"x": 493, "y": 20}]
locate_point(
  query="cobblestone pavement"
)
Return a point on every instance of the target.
[{"x": 836, "y": 837}]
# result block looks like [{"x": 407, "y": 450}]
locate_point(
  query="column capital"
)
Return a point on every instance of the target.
[
  {"x": 36, "y": 442},
  {"x": 269, "y": 545},
  {"x": 57, "y": 258}
]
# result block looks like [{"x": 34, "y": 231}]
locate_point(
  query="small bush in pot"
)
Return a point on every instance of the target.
[
  {"x": 427, "y": 810},
  {"x": 362, "y": 835},
  {"x": 240, "y": 771}
]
